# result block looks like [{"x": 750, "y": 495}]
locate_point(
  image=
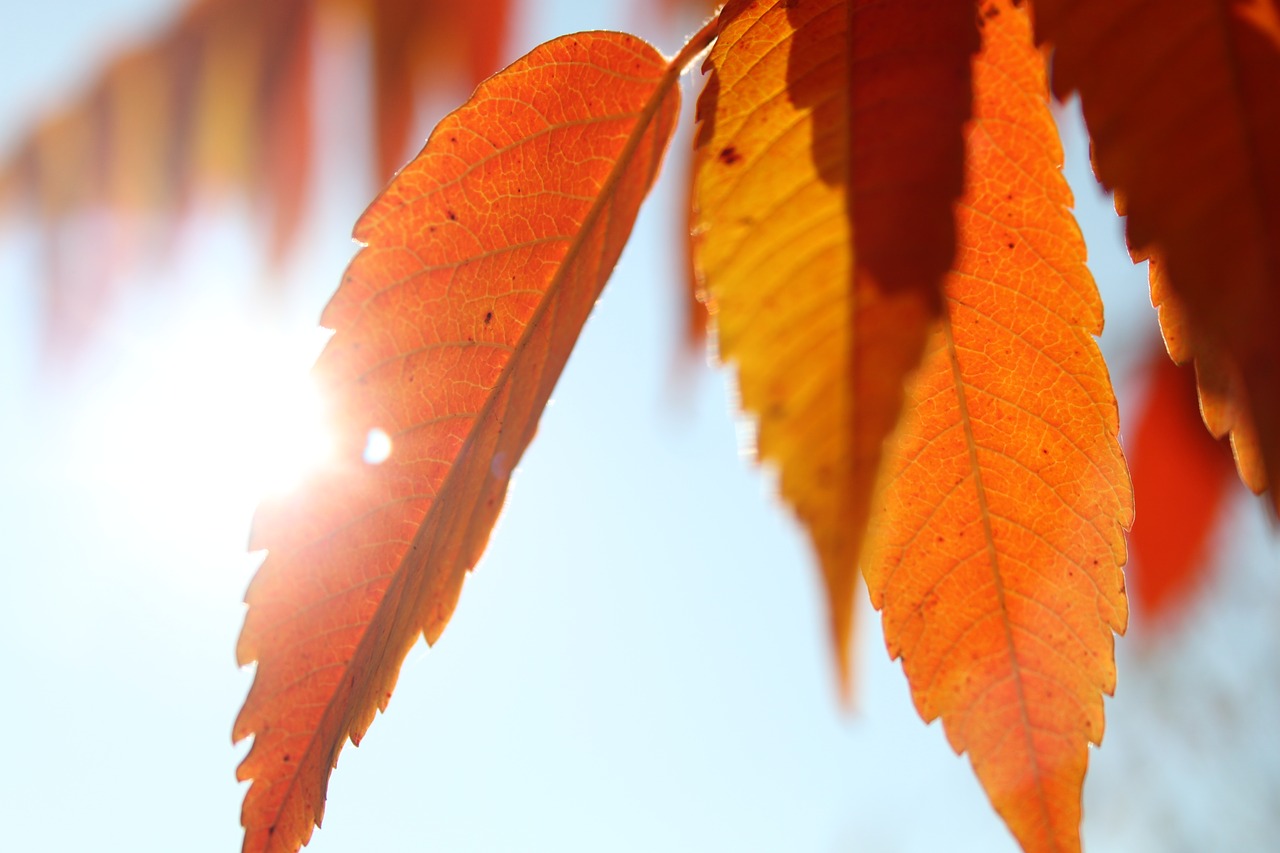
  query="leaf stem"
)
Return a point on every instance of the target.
[{"x": 697, "y": 43}]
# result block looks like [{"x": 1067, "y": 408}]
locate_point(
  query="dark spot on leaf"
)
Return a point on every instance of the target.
[
  {"x": 453, "y": 217},
  {"x": 488, "y": 317},
  {"x": 729, "y": 155}
]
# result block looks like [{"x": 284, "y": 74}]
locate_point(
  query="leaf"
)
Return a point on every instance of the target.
[
  {"x": 136, "y": 94},
  {"x": 284, "y": 145},
  {"x": 222, "y": 98},
  {"x": 482, "y": 260},
  {"x": 1180, "y": 100},
  {"x": 232, "y": 50},
  {"x": 1181, "y": 477},
  {"x": 1223, "y": 404},
  {"x": 997, "y": 546},
  {"x": 416, "y": 42},
  {"x": 828, "y": 158}
]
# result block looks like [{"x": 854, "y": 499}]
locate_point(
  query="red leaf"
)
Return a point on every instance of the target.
[{"x": 1181, "y": 476}]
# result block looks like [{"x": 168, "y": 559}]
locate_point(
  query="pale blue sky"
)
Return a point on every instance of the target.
[{"x": 639, "y": 662}]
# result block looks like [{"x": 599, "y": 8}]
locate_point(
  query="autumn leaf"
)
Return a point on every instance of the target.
[
  {"x": 482, "y": 260},
  {"x": 1223, "y": 400},
  {"x": 1182, "y": 478},
  {"x": 416, "y": 43},
  {"x": 996, "y": 552},
  {"x": 880, "y": 231},
  {"x": 222, "y": 99},
  {"x": 283, "y": 167},
  {"x": 1180, "y": 100},
  {"x": 828, "y": 158}
]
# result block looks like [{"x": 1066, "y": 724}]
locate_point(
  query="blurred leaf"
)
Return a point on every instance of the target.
[
  {"x": 222, "y": 99},
  {"x": 1181, "y": 477}
]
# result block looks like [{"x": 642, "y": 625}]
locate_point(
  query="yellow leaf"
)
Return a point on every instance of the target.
[{"x": 829, "y": 156}]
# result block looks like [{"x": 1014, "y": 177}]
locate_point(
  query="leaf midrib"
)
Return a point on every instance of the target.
[
  {"x": 644, "y": 119},
  {"x": 993, "y": 555}
]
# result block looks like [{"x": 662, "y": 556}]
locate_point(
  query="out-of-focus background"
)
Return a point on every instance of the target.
[{"x": 639, "y": 662}]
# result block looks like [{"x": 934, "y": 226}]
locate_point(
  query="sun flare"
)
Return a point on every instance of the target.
[{"x": 206, "y": 421}]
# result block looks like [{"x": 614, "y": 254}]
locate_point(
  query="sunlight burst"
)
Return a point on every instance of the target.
[{"x": 205, "y": 421}]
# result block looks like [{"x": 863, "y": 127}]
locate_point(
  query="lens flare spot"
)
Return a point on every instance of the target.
[{"x": 377, "y": 447}]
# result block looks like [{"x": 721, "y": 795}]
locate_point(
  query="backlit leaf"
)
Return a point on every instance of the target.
[
  {"x": 829, "y": 155},
  {"x": 482, "y": 261},
  {"x": 1223, "y": 402},
  {"x": 997, "y": 546},
  {"x": 1180, "y": 100}
]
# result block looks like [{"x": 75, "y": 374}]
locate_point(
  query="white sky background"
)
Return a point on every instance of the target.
[{"x": 639, "y": 662}]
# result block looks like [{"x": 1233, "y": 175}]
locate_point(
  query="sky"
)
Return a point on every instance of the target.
[{"x": 639, "y": 661}]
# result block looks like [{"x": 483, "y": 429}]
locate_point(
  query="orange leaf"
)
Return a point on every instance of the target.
[
  {"x": 829, "y": 156},
  {"x": 1181, "y": 477},
  {"x": 138, "y": 104},
  {"x": 1223, "y": 401},
  {"x": 1180, "y": 100},
  {"x": 62, "y": 162},
  {"x": 482, "y": 260},
  {"x": 996, "y": 554}
]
